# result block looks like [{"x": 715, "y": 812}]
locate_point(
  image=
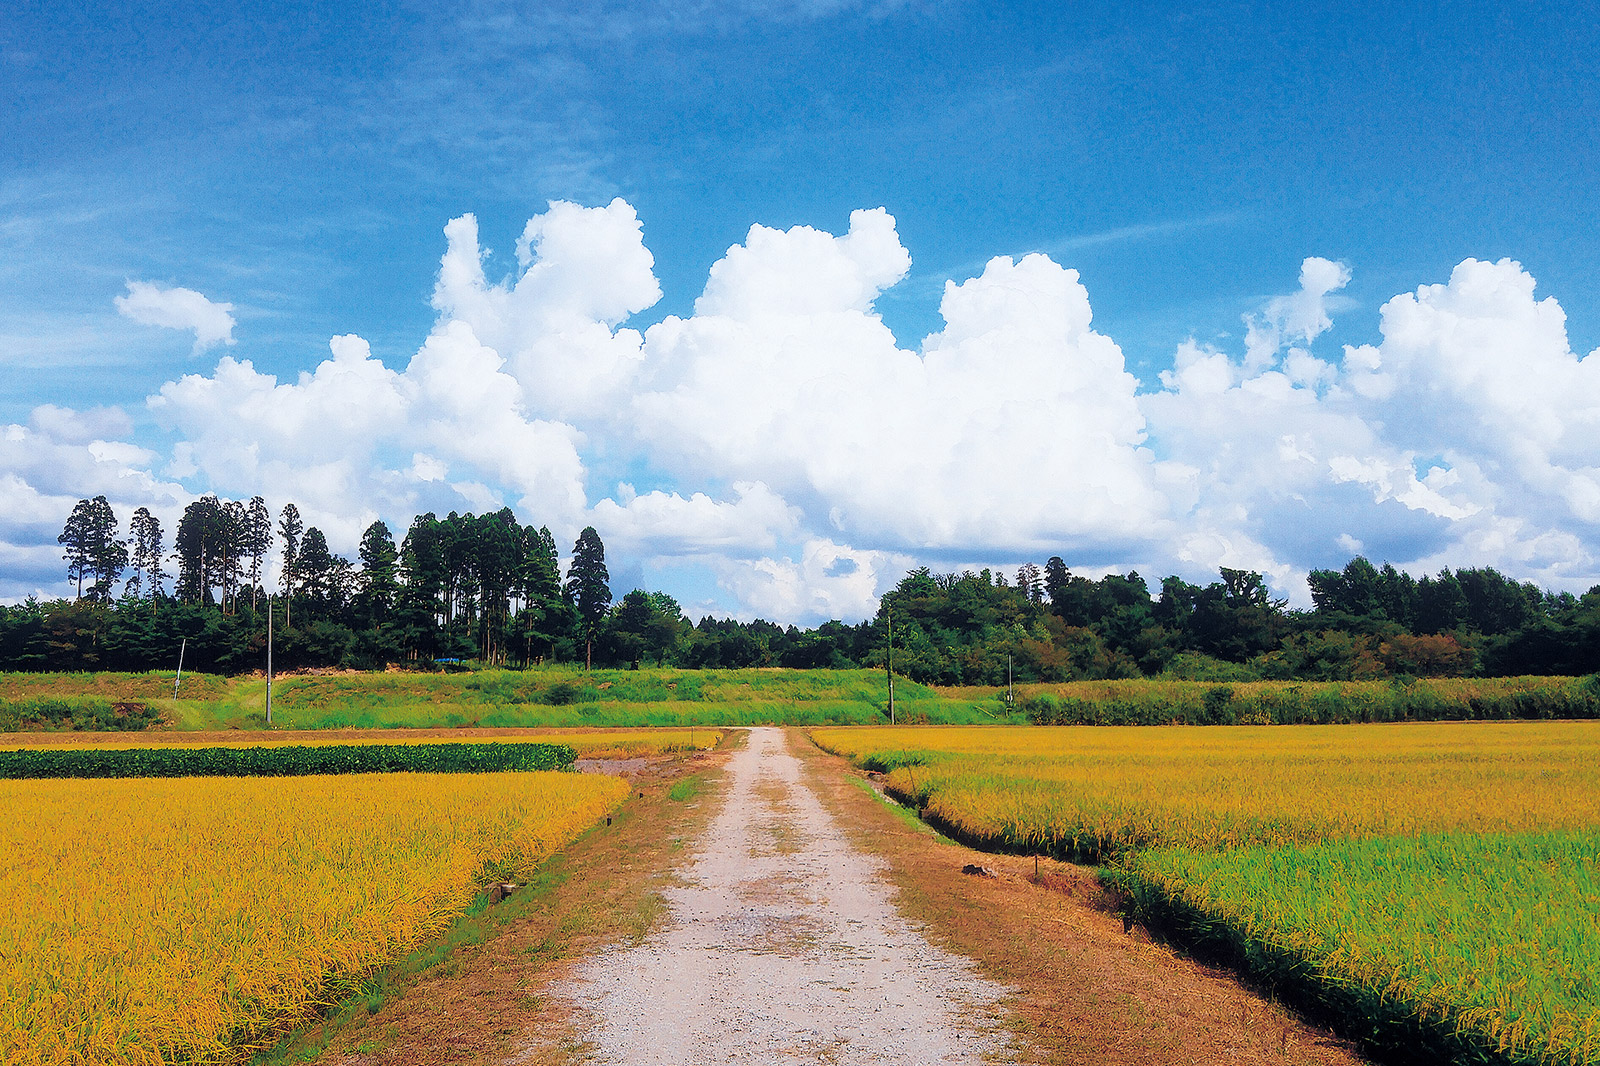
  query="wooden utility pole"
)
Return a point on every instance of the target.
[
  {"x": 888, "y": 662},
  {"x": 177, "y": 680},
  {"x": 269, "y": 658}
]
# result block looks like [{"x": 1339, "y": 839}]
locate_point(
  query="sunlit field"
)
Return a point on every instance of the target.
[
  {"x": 181, "y": 920},
  {"x": 1431, "y": 885},
  {"x": 1086, "y": 793},
  {"x": 1484, "y": 941}
]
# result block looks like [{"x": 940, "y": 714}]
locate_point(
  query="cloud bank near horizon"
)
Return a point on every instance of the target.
[{"x": 782, "y": 443}]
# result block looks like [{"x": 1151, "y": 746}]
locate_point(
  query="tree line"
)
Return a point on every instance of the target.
[
  {"x": 490, "y": 589},
  {"x": 1365, "y": 623},
  {"x": 481, "y": 587}
]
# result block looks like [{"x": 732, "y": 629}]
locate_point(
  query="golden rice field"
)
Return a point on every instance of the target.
[
  {"x": 185, "y": 919},
  {"x": 1085, "y": 792},
  {"x": 1433, "y": 887},
  {"x": 589, "y": 744},
  {"x": 1488, "y": 941}
]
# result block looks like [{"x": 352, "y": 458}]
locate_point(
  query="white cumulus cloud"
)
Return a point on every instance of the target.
[
  {"x": 801, "y": 458},
  {"x": 1464, "y": 437},
  {"x": 178, "y": 308}
]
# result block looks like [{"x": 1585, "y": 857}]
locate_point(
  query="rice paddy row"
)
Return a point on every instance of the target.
[
  {"x": 192, "y": 919},
  {"x": 1433, "y": 887}
]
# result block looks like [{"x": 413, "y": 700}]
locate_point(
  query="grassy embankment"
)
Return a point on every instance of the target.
[
  {"x": 569, "y": 697},
  {"x": 1429, "y": 888},
  {"x": 1163, "y": 702},
  {"x": 557, "y": 696}
]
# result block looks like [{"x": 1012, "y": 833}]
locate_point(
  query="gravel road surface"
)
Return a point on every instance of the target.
[{"x": 782, "y": 945}]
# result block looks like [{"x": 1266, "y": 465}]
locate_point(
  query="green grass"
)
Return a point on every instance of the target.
[
  {"x": 562, "y": 695},
  {"x": 1163, "y": 701},
  {"x": 568, "y": 695},
  {"x": 499, "y": 688},
  {"x": 151, "y": 686},
  {"x": 1478, "y": 948},
  {"x": 614, "y": 714}
]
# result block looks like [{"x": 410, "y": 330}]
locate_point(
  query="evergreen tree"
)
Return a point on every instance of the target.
[
  {"x": 496, "y": 542},
  {"x": 314, "y": 567},
  {"x": 197, "y": 547},
  {"x": 232, "y": 535},
  {"x": 1056, "y": 579},
  {"x": 145, "y": 540},
  {"x": 544, "y": 615},
  {"x": 379, "y": 581},
  {"x": 588, "y": 587},
  {"x": 77, "y": 540},
  {"x": 257, "y": 541},
  {"x": 290, "y": 527},
  {"x": 92, "y": 547}
]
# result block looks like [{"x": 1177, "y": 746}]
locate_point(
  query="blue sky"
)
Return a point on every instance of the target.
[{"x": 300, "y": 164}]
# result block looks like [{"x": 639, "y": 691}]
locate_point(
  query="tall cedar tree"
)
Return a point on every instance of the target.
[
  {"x": 544, "y": 613},
  {"x": 379, "y": 585},
  {"x": 198, "y": 545},
  {"x": 110, "y": 550},
  {"x": 314, "y": 567},
  {"x": 77, "y": 540},
  {"x": 231, "y": 550},
  {"x": 257, "y": 541},
  {"x": 93, "y": 548},
  {"x": 290, "y": 527},
  {"x": 146, "y": 542},
  {"x": 589, "y": 587}
]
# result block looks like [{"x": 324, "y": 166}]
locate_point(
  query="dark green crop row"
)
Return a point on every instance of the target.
[
  {"x": 286, "y": 761},
  {"x": 72, "y": 712}
]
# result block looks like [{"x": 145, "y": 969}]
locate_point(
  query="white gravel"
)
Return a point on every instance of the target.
[{"x": 782, "y": 945}]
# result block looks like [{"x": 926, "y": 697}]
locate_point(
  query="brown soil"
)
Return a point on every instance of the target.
[{"x": 1087, "y": 991}]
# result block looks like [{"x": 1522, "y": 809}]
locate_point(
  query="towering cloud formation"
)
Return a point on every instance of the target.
[
  {"x": 791, "y": 452},
  {"x": 1459, "y": 439}
]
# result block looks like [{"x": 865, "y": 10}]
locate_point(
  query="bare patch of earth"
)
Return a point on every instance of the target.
[{"x": 621, "y": 767}]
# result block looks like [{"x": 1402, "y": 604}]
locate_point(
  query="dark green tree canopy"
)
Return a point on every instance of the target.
[
  {"x": 488, "y": 588},
  {"x": 588, "y": 581}
]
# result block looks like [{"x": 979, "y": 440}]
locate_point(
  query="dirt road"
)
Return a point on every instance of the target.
[{"x": 781, "y": 944}]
